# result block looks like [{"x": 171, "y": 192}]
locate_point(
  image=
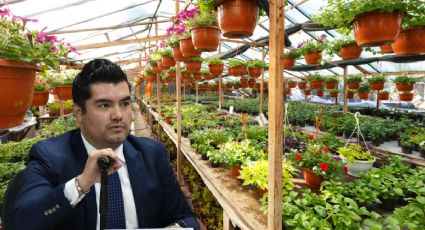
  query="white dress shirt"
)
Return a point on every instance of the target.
[{"x": 71, "y": 192}]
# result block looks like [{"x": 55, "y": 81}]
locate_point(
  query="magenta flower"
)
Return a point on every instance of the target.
[{"x": 4, "y": 12}]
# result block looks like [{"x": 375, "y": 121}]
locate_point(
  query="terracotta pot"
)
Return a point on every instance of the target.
[
  {"x": 316, "y": 84},
  {"x": 156, "y": 69},
  {"x": 168, "y": 61},
  {"x": 307, "y": 92},
  {"x": 292, "y": 84},
  {"x": 311, "y": 179},
  {"x": 254, "y": 72},
  {"x": 410, "y": 41},
  {"x": 151, "y": 78},
  {"x": 331, "y": 85},
  {"x": 172, "y": 74},
  {"x": 177, "y": 53},
  {"x": 351, "y": 51},
  {"x": 386, "y": 49},
  {"x": 207, "y": 76},
  {"x": 237, "y": 18},
  {"x": 288, "y": 62},
  {"x": 353, "y": 85},
  {"x": 302, "y": 85},
  {"x": 377, "y": 28},
  {"x": 40, "y": 98},
  {"x": 160, "y": 65},
  {"x": 288, "y": 91},
  {"x": 364, "y": 96},
  {"x": 193, "y": 66},
  {"x": 313, "y": 58},
  {"x": 234, "y": 170},
  {"x": 16, "y": 87},
  {"x": 197, "y": 76},
  {"x": 63, "y": 92},
  {"x": 377, "y": 86},
  {"x": 205, "y": 38},
  {"x": 333, "y": 94},
  {"x": 244, "y": 82},
  {"x": 320, "y": 93},
  {"x": 405, "y": 97},
  {"x": 404, "y": 87},
  {"x": 216, "y": 69},
  {"x": 238, "y": 70},
  {"x": 350, "y": 95},
  {"x": 186, "y": 76},
  {"x": 383, "y": 96},
  {"x": 252, "y": 84},
  {"x": 187, "y": 48}
]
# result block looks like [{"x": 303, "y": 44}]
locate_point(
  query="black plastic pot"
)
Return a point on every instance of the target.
[
  {"x": 389, "y": 204},
  {"x": 406, "y": 150}
]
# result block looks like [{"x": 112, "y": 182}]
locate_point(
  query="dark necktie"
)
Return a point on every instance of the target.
[{"x": 116, "y": 215}]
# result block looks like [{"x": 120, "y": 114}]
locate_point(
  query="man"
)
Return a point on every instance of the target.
[{"x": 60, "y": 187}]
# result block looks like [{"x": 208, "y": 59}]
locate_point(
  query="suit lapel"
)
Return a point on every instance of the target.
[
  {"x": 89, "y": 202},
  {"x": 137, "y": 174}
]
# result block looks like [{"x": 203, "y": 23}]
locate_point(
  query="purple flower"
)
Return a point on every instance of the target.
[
  {"x": 337, "y": 158},
  {"x": 54, "y": 49},
  {"x": 300, "y": 45}
]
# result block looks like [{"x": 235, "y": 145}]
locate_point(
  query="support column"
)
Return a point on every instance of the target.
[
  {"x": 262, "y": 84},
  {"x": 344, "y": 108}
]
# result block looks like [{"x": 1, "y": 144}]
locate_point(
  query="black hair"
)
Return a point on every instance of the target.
[{"x": 96, "y": 71}]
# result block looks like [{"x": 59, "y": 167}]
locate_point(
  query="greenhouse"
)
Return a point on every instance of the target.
[{"x": 212, "y": 114}]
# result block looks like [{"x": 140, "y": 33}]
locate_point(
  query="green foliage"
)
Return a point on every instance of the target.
[
  {"x": 172, "y": 69},
  {"x": 406, "y": 80},
  {"x": 313, "y": 45},
  {"x": 354, "y": 79},
  {"x": 235, "y": 62},
  {"x": 336, "y": 44},
  {"x": 173, "y": 41},
  {"x": 153, "y": 63},
  {"x": 256, "y": 63},
  {"x": 237, "y": 153},
  {"x": 166, "y": 53},
  {"x": 355, "y": 152},
  {"x": 148, "y": 71},
  {"x": 364, "y": 88},
  {"x": 315, "y": 77},
  {"x": 197, "y": 59},
  {"x": 203, "y": 19},
  {"x": 376, "y": 79},
  {"x": 63, "y": 78},
  {"x": 214, "y": 61},
  {"x": 39, "y": 87},
  {"x": 331, "y": 79},
  {"x": 415, "y": 15},
  {"x": 294, "y": 53}
]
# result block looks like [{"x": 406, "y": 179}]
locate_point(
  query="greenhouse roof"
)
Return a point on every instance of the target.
[{"x": 103, "y": 22}]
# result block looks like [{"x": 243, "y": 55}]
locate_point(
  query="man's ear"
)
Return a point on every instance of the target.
[{"x": 77, "y": 113}]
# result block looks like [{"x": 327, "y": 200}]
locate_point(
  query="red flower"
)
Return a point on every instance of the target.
[
  {"x": 298, "y": 157},
  {"x": 310, "y": 136},
  {"x": 345, "y": 169},
  {"x": 325, "y": 149},
  {"x": 324, "y": 167}
]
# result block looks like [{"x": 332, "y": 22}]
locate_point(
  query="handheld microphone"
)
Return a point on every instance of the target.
[{"x": 104, "y": 162}]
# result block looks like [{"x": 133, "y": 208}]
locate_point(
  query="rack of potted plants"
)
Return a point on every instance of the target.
[
  {"x": 377, "y": 82},
  {"x": 216, "y": 66},
  {"x": 312, "y": 49},
  {"x": 383, "y": 95},
  {"x": 316, "y": 81},
  {"x": 405, "y": 96},
  {"x": 344, "y": 16},
  {"x": 356, "y": 159},
  {"x": 193, "y": 65},
  {"x": 255, "y": 67},
  {"x": 186, "y": 46},
  {"x": 204, "y": 30},
  {"x": 288, "y": 58},
  {"x": 236, "y": 67},
  {"x": 405, "y": 83},
  {"x": 363, "y": 91},
  {"x": 346, "y": 47},
  {"x": 354, "y": 82},
  {"x": 167, "y": 58},
  {"x": 331, "y": 82}
]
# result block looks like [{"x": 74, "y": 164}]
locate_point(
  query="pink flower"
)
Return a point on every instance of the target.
[
  {"x": 324, "y": 167},
  {"x": 54, "y": 49},
  {"x": 4, "y": 12},
  {"x": 326, "y": 148}
]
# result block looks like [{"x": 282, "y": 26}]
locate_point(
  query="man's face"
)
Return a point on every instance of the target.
[{"x": 107, "y": 119}]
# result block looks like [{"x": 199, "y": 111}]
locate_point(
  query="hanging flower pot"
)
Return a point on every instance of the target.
[
  {"x": 351, "y": 51},
  {"x": 313, "y": 58},
  {"x": 197, "y": 76},
  {"x": 307, "y": 92},
  {"x": 193, "y": 66},
  {"x": 383, "y": 96},
  {"x": 316, "y": 84},
  {"x": 312, "y": 180},
  {"x": 302, "y": 85},
  {"x": 251, "y": 83},
  {"x": 244, "y": 82},
  {"x": 287, "y": 62},
  {"x": 168, "y": 61},
  {"x": 16, "y": 87},
  {"x": 186, "y": 76},
  {"x": 187, "y": 49},
  {"x": 292, "y": 84},
  {"x": 237, "y": 70},
  {"x": 405, "y": 96},
  {"x": 386, "y": 49},
  {"x": 353, "y": 85},
  {"x": 63, "y": 92},
  {"x": 350, "y": 95},
  {"x": 404, "y": 87},
  {"x": 331, "y": 85},
  {"x": 161, "y": 67},
  {"x": 377, "y": 28},
  {"x": 364, "y": 95},
  {"x": 205, "y": 38},
  {"x": 172, "y": 74},
  {"x": 333, "y": 94},
  {"x": 320, "y": 93},
  {"x": 156, "y": 69},
  {"x": 177, "y": 54},
  {"x": 237, "y": 18},
  {"x": 40, "y": 98},
  {"x": 254, "y": 72},
  {"x": 410, "y": 42},
  {"x": 207, "y": 76},
  {"x": 377, "y": 85},
  {"x": 216, "y": 69}
]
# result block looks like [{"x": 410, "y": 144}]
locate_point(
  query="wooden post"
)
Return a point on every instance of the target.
[
  {"x": 275, "y": 140},
  {"x": 227, "y": 223},
  {"x": 262, "y": 84},
  {"x": 158, "y": 99},
  {"x": 184, "y": 90},
  {"x": 344, "y": 110},
  {"x": 61, "y": 109},
  {"x": 220, "y": 95},
  {"x": 196, "y": 88}
]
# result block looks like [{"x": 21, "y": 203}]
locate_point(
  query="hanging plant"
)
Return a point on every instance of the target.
[
  {"x": 353, "y": 82},
  {"x": 377, "y": 82}
]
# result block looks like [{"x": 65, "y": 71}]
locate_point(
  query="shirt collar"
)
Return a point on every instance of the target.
[{"x": 90, "y": 148}]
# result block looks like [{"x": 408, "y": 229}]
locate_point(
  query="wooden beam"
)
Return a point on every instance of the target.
[
  {"x": 275, "y": 140},
  {"x": 108, "y": 27},
  {"x": 118, "y": 43},
  {"x": 244, "y": 42}
]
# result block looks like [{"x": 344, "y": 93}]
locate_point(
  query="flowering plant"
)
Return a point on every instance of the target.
[
  {"x": 18, "y": 43},
  {"x": 39, "y": 84},
  {"x": 179, "y": 30},
  {"x": 313, "y": 45},
  {"x": 318, "y": 159},
  {"x": 294, "y": 53},
  {"x": 63, "y": 78}
]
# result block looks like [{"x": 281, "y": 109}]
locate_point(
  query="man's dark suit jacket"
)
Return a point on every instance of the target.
[{"x": 41, "y": 204}]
